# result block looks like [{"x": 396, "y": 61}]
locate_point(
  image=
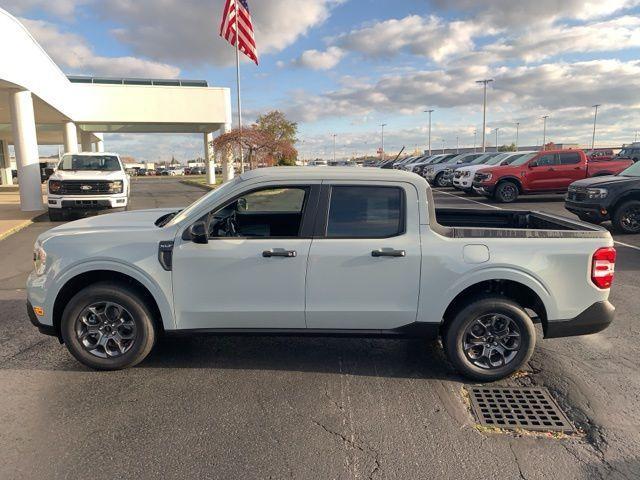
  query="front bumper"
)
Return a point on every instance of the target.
[
  {"x": 482, "y": 189},
  {"x": 35, "y": 321},
  {"x": 592, "y": 210},
  {"x": 593, "y": 320},
  {"x": 87, "y": 202},
  {"x": 463, "y": 183}
]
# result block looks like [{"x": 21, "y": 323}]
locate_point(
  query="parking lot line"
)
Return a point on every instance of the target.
[{"x": 622, "y": 244}]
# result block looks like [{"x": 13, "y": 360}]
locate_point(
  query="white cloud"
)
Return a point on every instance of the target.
[
  {"x": 59, "y": 8},
  {"x": 430, "y": 37},
  {"x": 317, "y": 60},
  {"x": 516, "y": 13},
  {"x": 72, "y": 53},
  {"x": 541, "y": 43},
  {"x": 186, "y": 32}
]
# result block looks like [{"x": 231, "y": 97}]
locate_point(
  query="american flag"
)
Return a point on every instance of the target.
[{"x": 247, "y": 44}]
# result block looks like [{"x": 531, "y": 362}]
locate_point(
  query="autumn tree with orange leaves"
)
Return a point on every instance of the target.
[{"x": 268, "y": 142}]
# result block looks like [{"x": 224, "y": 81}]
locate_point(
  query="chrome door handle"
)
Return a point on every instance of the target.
[
  {"x": 388, "y": 253},
  {"x": 279, "y": 252}
]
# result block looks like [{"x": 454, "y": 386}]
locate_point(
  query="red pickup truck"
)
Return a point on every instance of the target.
[{"x": 550, "y": 171}]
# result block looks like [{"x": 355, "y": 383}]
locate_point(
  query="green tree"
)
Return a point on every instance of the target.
[
  {"x": 276, "y": 124},
  {"x": 508, "y": 148}
]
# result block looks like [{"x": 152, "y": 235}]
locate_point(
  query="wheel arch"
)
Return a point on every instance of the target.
[
  {"x": 79, "y": 278},
  {"x": 528, "y": 293},
  {"x": 512, "y": 179},
  {"x": 632, "y": 195}
]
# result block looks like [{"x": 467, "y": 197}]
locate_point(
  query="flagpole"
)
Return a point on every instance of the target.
[{"x": 235, "y": 3}]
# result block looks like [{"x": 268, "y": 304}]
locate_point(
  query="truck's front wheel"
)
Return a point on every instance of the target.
[
  {"x": 506, "y": 192},
  {"x": 56, "y": 215},
  {"x": 108, "y": 327},
  {"x": 489, "y": 339},
  {"x": 626, "y": 218}
]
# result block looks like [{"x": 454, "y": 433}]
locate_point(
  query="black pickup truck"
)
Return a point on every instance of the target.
[{"x": 615, "y": 198}]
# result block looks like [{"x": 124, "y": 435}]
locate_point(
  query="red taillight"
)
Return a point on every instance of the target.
[{"x": 603, "y": 267}]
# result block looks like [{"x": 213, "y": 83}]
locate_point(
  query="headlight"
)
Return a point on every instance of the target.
[
  {"x": 55, "y": 186},
  {"x": 597, "y": 193},
  {"x": 116, "y": 187},
  {"x": 39, "y": 259},
  {"x": 466, "y": 174},
  {"x": 428, "y": 170}
]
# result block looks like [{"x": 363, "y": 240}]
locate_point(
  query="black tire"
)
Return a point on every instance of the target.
[
  {"x": 626, "y": 218},
  {"x": 506, "y": 192},
  {"x": 145, "y": 332},
  {"x": 438, "y": 181},
  {"x": 485, "y": 307},
  {"x": 56, "y": 215}
]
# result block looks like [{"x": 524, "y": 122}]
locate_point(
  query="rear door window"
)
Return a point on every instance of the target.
[
  {"x": 365, "y": 212},
  {"x": 569, "y": 158}
]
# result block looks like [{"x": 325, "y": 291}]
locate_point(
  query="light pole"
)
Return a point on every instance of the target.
[
  {"x": 484, "y": 82},
  {"x": 544, "y": 132},
  {"x": 475, "y": 139},
  {"x": 443, "y": 145},
  {"x": 334, "y": 147},
  {"x": 429, "y": 112},
  {"x": 517, "y": 134},
  {"x": 496, "y": 130},
  {"x": 457, "y": 144},
  {"x": 382, "y": 145},
  {"x": 595, "y": 119}
]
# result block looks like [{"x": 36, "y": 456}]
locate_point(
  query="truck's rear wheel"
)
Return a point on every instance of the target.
[
  {"x": 506, "y": 192},
  {"x": 107, "y": 327},
  {"x": 626, "y": 218},
  {"x": 489, "y": 339}
]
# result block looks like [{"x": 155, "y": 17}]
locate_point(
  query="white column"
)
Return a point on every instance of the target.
[
  {"x": 25, "y": 142},
  {"x": 70, "y": 134},
  {"x": 85, "y": 138},
  {"x": 100, "y": 142},
  {"x": 6, "y": 178},
  {"x": 228, "y": 170},
  {"x": 209, "y": 159}
]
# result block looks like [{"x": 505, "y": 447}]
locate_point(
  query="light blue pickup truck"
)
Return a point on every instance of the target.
[{"x": 331, "y": 251}]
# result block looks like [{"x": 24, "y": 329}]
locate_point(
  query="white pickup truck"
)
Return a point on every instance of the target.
[
  {"x": 329, "y": 251},
  {"x": 87, "y": 181}
]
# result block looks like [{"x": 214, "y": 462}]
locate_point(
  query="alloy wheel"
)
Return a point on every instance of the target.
[
  {"x": 106, "y": 329},
  {"x": 630, "y": 219},
  {"x": 492, "y": 341}
]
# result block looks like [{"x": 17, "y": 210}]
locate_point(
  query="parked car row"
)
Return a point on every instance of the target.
[{"x": 601, "y": 186}]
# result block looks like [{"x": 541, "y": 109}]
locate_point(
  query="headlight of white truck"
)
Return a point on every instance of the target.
[
  {"x": 116, "y": 187},
  {"x": 466, "y": 174},
  {"x": 39, "y": 259},
  {"x": 597, "y": 193}
]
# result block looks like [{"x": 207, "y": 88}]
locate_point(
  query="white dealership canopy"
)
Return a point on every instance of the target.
[{"x": 39, "y": 104}]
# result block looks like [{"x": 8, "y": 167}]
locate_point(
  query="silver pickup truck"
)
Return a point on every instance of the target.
[{"x": 329, "y": 251}]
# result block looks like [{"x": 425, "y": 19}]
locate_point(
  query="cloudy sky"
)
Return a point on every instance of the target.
[{"x": 346, "y": 66}]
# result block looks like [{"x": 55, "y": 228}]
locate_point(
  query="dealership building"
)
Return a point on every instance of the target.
[{"x": 40, "y": 105}]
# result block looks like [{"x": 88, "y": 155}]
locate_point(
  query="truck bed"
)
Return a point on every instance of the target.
[{"x": 476, "y": 223}]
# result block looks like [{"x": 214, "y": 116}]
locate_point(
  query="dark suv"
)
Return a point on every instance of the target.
[{"x": 615, "y": 198}]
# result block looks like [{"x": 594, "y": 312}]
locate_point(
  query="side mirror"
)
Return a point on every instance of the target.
[
  {"x": 533, "y": 165},
  {"x": 459, "y": 162},
  {"x": 242, "y": 204},
  {"x": 198, "y": 233}
]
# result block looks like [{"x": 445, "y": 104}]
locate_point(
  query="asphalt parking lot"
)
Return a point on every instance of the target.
[{"x": 265, "y": 407}]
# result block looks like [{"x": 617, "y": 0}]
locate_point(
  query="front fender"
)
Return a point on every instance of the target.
[{"x": 160, "y": 291}]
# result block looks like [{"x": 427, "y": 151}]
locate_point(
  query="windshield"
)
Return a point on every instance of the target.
[
  {"x": 522, "y": 160},
  {"x": 501, "y": 158},
  {"x": 632, "y": 171},
  {"x": 482, "y": 159},
  {"x": 220, "y": 191},
  {"x": 102, "y": 163}
]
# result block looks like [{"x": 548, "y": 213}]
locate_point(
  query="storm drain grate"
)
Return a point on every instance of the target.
[{"x": 513, "y": 408}]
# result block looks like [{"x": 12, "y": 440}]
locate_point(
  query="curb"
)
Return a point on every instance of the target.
[
  {"x": 20, "y": 226},
  {"x": 193, "y": 183}
]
